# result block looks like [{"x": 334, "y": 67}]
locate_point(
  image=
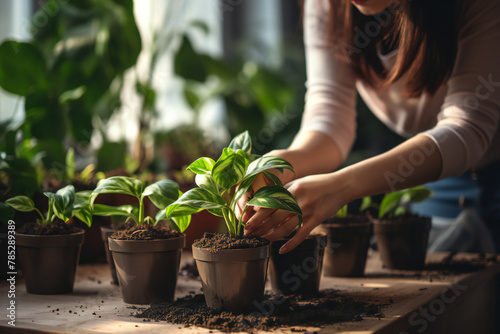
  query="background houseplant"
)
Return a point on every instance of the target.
[
  {"x": 401, "y": 236},
  {"x": 146, "y": 256},
  {"x": 228, "y": 262},
  {"x": 348, "y": 241},
  {"x": 49, "y": 249}
]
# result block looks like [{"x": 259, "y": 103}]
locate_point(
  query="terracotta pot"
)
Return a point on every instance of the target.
[
  {"x": 233, "y": 279},
  {"x": 106, "y": 232},
  {"x": 298, "y": 271},
  {"x": 402, "y": 243},
  {"x": 347, "y": 248},
  {"x": 147, "y": 270},
  {"x": 49, "y": 262}
]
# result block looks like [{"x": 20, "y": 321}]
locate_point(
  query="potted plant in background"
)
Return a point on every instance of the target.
[
  {"x": 298, "y": 271},
  {"x": 146, "y": 256},
  {"x": 402, "y": 237},
  {"x": 348, "y": 242},
  {"x": 49, "y": 248},
  {"x": 232, "y": 267}
]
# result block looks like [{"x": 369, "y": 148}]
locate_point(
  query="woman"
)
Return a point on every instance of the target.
[{"x": 430, "y": 70}]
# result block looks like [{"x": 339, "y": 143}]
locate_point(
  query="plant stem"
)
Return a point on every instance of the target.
[
  {"x": 141, "y": 211},
  {"x": 50, "y": 215},
  {"x": 41, "y": 215}
]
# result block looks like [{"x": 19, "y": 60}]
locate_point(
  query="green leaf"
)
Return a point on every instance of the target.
[
  {"x": 162, "y": 193},
  {"x": 365, "y": 204},
  {"x": 118, "y": 185},
  {"x": 107, "y": 210},
  {"x": 188, "y": 64},
  {"x": 242, "y": 142},
  {"x": 203, "y": 166},
  {"x": 229, "y": 170},
  {"x": 70, "y": 164},
  {"x": 389, "y": 203},
  {"x": 342, "y": 213},
  {"x": 273, "y": 178},
  {"x": 22, "y": 68},
  {"x": 400, "y": 211},
  {"x": 196, "y": 200},
  {"x": 265, "y": 163},
  {"x": 275, "y": 197},
  {"x": 243, "y": 188},
  {"x": 62, "y": 202},
  {"x": 181, "y": 223},
  {"x": 418, "y": 194},
  {"x": 208, "y": 183},
  {"x": 21, "y": 203}
]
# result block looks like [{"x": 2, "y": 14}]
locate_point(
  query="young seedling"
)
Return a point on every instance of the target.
[
  {"x": 64, "y": 204},
  {"x": 365, "y": 205},
  {"x": 161, "y": 194},
  {"x": 393, "y": 204},
  {"x": 222, "y": 183}
]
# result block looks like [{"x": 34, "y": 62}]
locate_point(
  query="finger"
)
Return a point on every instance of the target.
[
  {"x": 269, "y": 224},
  {"x": 300, "y": 236},
  {"x": 257, "y": 219},
  {"x": 283, "y": 230}
]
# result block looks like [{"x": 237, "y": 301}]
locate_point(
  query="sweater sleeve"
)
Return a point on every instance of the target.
[
  {"x": 469, "y": 116},
  {"x": 331, "y": 93}
]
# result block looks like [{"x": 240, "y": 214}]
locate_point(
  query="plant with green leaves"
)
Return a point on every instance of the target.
[
  {"x": 222, "y": 183},
  {"x": 64, "y": 204},
  {"x": 394, "y": 204},
  {"x": 365, "y": 205},
  {"x": 161, "y": 193}
]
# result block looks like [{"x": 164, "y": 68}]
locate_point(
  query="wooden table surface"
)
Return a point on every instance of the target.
[{"x": 433, "y": 301}]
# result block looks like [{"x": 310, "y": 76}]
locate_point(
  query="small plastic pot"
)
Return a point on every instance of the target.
[
  {"x": 233, "y": 279},
  {"x": 347, "y": 248},
  {"x": 49, "y": 262},
  {"x": 147, "y": 270},
  {"x": 298, "y": 271},
  {"x": 402, "y": 243},
  {"x": 106, "y": 232}
]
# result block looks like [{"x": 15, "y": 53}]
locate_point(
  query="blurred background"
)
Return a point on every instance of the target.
[{"x": 119, "y": 87}]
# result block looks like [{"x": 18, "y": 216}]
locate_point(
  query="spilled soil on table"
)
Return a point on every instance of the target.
[
  {"x": 214, "y": 242},
  {"x": 275, "y": 311}
]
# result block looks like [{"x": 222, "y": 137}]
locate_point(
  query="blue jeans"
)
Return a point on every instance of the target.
[{"x": 480, "y": 190}]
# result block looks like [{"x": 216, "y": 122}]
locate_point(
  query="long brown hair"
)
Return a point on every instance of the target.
[{"x": 424, "y": 31}]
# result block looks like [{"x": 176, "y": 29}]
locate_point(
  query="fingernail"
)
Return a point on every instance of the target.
[{"x": 283, "y": 250}]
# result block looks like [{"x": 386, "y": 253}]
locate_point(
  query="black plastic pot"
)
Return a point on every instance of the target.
[
  {"x": 347, "y": 248},
  {"x": 233, "y": 279},
  {"x": 147, "y": 270},
  {"x": 49, "y": 262},
  {"x": 402, "y": 243},
  {"x": 106, "y": 232},
  {"x": 298, "y": 271}
]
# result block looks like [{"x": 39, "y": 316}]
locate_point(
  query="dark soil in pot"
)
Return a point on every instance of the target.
[
  {"x": 147, "y": 262},
  {"x": 347, "y": 248},
  {"x": 232, "y": 270},
  {"x": 402, "y": 242},
  {"x": 275, "y": 311},
  {"x": 49, "y": 256},
  {"x": 298, "y": 271}
]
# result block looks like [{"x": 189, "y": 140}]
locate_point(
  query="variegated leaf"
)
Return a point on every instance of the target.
[
  {"x": 276, "y": 197},
  {"x": 162, "y": 193},
  {"x": 207, "y": 182},
  {"x": 265, "y": 163},
  {"x": 242, "y": 142},
  {"x": 229, "y": 170},
  {"x": 202, "y": 166},
  {"x": 118, "y": 185},
  {"x": 62, "y": 202},
  {"x": 196, "y": 200},
  {"x": 21, "y": 203}
]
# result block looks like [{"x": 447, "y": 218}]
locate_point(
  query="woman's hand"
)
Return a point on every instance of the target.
[{"x": 319, "y": 197}]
